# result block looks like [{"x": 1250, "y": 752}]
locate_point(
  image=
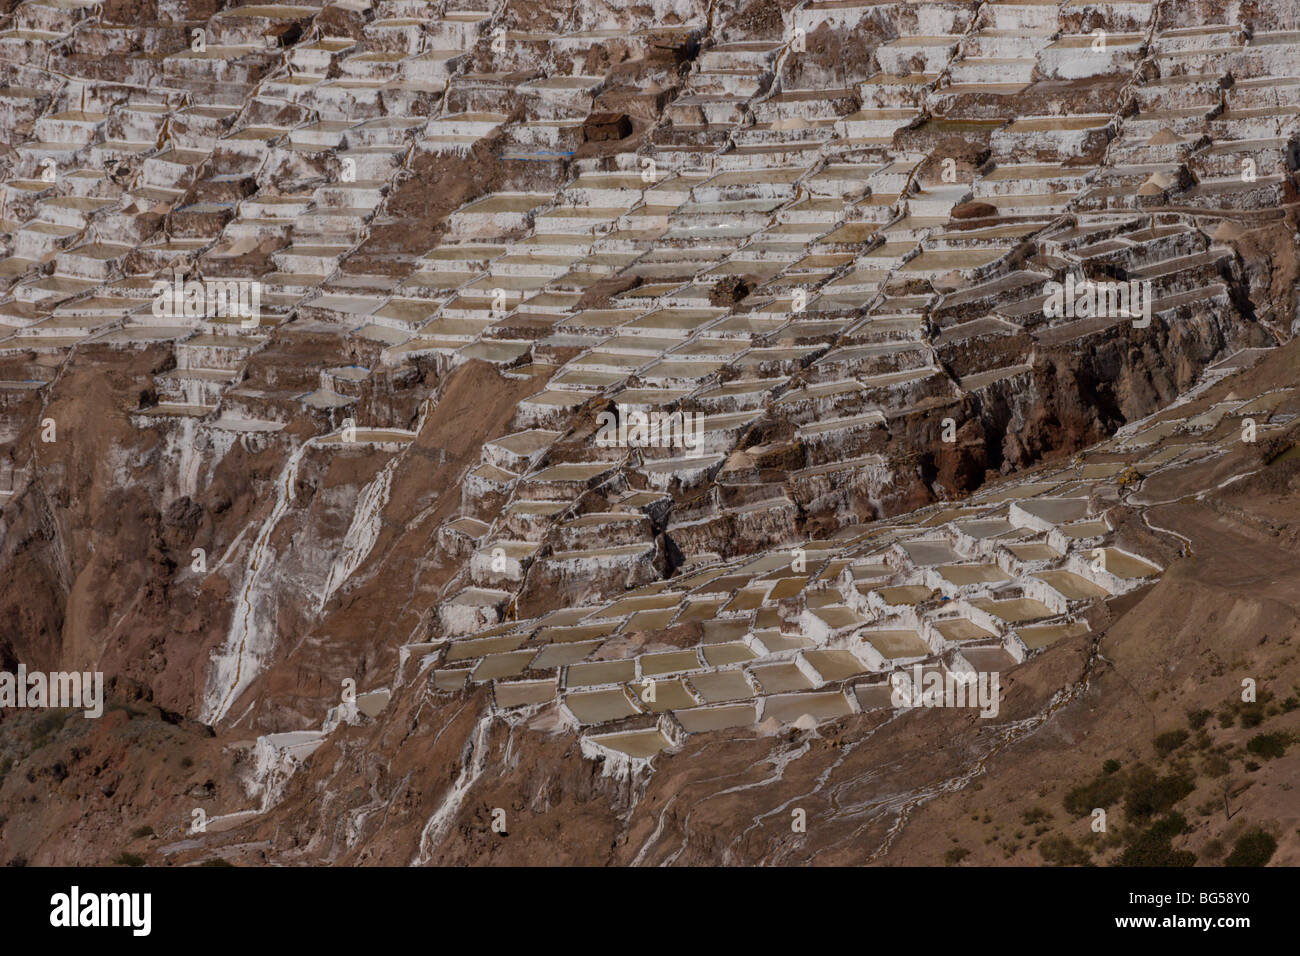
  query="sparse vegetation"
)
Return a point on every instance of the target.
[
  {"x": 1149, "y": 794},
  {"x": 1215, "y": 765},
  {"x": 1269, "y": 746},
  {"x": 1063, "y": 851},
  {"x": 1035, "y": 815},
  {"x": 1103, "y": 791},
  {"x": 1153, "y": 845},
  {"x": 1213, "y": 851},
  {"x": 1250, "y": 713},
  {"x": 128, "y": 859},
  {"x": 1255, "y": 847},
  {"x": 49, "y": 724},
  {"x": 1170, "y": 741}
]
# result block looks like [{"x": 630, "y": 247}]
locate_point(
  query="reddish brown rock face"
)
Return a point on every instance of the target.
[
  {"x": 561, "y": 435},
  {"x": 601, "y": 127}
]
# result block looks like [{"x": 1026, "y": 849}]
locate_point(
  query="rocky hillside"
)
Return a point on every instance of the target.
[{"x": 939, "y": 338}]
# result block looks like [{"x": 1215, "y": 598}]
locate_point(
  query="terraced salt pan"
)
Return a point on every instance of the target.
[
  {"x": 638, "y": 744},
  {"x": 601, "y": 706},
  {"x": 834, "y": 665},
  {"x": 721, "y": 655},
  {"x": 719, "y": 686},
  {"x": 968, "y": 574},
  {"x": 1124, "y": 565},
  {"x": 667, "y": 695},
  {"x": 1039, "y": 636},
  {"x": 698, "y": 720},
  {"x": 904, "y": 595},
  {"x": 929, "y": 553},
  {"x": 790, "y": 708},
  {"x": 470, "y": 649},
  {"x": 600, "y": 672},
  {"x": 523, "y": 693},
  {"x": 1082, "y": 530},
  {"x": 1072, "y": 586},
  {"x": 781, "y": 677},
  {"x": 1016, "y": 610},
  {"x": 989, "y": 659},
  {"x": 960, "y": 629},
  {"x": 896, "y": 643},
  {"x": 560, "y": 655},
  {"x": 501, "y": 665},
  {"x": 1031, "y": 551}
]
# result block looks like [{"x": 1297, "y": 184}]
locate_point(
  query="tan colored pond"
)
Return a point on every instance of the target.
[
  {"x": 959, "y": 629},
  {"x": 560, "y": 655},
  {"x": 790, "y": 707},
  {"x": 600, "y": 672},
  {"x": 777, "y": 678},
  {"x": 895, "y": 643},
  {"x": 502, "y": 665},
  {"x": 523, "y": 693},
  {"x": 904, "y": 594},
  {"x": 964, "y": 574},
  {"x": 834, "y": 664},
  {"x": 1033, "y": 551},
  {"x": 698, "y": 720},
  {"x": 721, "y": 685},
  {"x": 1124, "y": 565},
  {"x": 468, "y": 650},
  {"x": 1072, "y": 586},
  {"x": 640, "y": 744},
  {"x": 1016, "y": 610},
  {"x": 720, "y": 655},
  {"x": 1041, "y": 635},
  {"x": 669, "y": 662},
  {"x": 601, "y": 706},
  {"x": 668, "y": 695}
]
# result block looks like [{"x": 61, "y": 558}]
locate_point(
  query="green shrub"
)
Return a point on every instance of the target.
[
  {"x": 955, "y": 855},
  {"x": 141, "y": 832},
  {"x": 1268, "y": 746},
  {"x": 1101, "y": 791},
  {"x": 1149, "y": 794},
  {"x": 1196, "y": 718},
  {"x": 1252, "y": 714},
  {"x": 129, "y": 859},
  {"x": 1153, "y": 846},
  {"x": 49, "y": 723},
  {"x": 1170, "y": 741},
  {"x": 1062, "y": 851},
  {"x": 1255, "y": 847}
]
